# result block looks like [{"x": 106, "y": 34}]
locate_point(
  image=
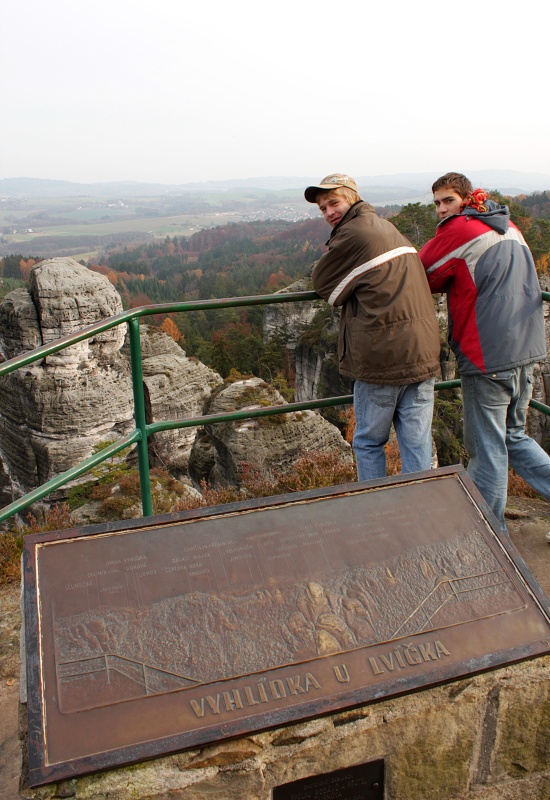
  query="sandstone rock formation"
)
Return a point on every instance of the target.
[
  {"x": 314, "y": 348},
  {"x": 176, "y": 387},
  {"x": 55, "y": 412},
  {"x": 59, "y": 410},
  {"x": 290, "y": 319},
  {"x": 271, "y": 444}
]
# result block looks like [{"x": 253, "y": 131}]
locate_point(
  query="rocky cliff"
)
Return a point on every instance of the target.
[
  {"x": 56, "y": 412},
  {"x": 271, "y": 444},
  {"x": 310, "y": 331},
  {"x": 60, "y": 410}
]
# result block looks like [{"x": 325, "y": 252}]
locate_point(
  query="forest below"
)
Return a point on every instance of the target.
[{"x": 243, "y": 259}]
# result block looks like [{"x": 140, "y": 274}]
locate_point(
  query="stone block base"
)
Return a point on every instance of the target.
[{"x": 486, "y": 737}]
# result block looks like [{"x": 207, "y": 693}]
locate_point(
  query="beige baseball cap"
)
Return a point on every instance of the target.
[{"x": 333, "y": 181}]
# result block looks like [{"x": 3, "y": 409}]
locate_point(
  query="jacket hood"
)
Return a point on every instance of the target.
[{"x": 496, "y": 217}]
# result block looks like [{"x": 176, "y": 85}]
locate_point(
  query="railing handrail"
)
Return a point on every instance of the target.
[
  {"x": 145, "y": 311},
  {"x": 143, "y": 430}
]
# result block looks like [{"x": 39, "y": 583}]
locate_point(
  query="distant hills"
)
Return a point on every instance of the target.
[{"x": 396, "y": 188}]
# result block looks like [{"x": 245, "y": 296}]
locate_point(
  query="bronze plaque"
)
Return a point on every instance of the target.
[
  {"x": 363, "y": 782},
  {"x": 159, "y": 634}
]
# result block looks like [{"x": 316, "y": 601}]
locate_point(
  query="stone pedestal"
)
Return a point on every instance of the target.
[{"x": 486, "y": 737}]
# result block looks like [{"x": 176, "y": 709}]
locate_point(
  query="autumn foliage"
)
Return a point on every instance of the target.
[
  {"x": 170, "y": 327},
  {"x": 57, "y": 518}
]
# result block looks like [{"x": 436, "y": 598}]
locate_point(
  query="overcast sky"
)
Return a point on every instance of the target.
[{"x": 173, "y": 92}]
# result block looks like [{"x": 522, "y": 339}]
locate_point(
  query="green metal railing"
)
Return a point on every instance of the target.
[{"x": 141, "y": 433}]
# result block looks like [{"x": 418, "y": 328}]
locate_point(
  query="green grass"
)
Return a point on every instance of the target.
[
  {"x": 82, "y": 216},
  {"x": 180, "y": 225}
]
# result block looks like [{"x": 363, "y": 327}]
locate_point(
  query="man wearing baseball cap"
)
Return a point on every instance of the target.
[{"x": 389, "y": 335}]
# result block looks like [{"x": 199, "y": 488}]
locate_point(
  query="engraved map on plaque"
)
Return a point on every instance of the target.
[{"x": 164, "y": 637}]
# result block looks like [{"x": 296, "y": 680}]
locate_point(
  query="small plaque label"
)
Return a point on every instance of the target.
[{"x": 363, "y": 782}]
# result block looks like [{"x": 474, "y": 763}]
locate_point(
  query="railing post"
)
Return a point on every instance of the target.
[{"x": 139, "y": 416}]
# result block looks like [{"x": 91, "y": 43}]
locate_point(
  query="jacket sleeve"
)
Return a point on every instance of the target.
[
  {"x": 439, "y": 264},
  {"x": 334, "y": 265}
]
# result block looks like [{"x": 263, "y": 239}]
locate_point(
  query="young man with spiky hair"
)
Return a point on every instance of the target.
[
  {"x": 496, "y": 331},
  {"x": 389, "y": 335}
]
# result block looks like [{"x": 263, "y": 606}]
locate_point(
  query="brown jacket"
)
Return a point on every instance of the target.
[{"x": 388, "y": 329}]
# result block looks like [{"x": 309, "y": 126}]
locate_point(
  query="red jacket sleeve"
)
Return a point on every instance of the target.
[{"x": 439, "y": 268}]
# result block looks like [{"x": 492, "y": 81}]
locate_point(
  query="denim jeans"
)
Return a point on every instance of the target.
[
  {"x": 495, "y": 411},
  {"x": 410, "y": 408}
]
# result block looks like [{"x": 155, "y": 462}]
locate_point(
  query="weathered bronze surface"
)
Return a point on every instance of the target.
[
  {"x": 170, "y": 632},
  {"x": 363, "y": 782}
]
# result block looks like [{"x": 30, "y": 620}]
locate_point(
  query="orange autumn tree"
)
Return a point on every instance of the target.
[
  {"x": 25, "y": 266},
  {"x": 170, "y": 327}
]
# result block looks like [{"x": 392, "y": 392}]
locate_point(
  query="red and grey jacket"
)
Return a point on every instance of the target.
[{"x": 496, "y": 319}]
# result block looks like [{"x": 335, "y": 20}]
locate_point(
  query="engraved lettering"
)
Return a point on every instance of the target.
[
  {"x": 214, "y": 703},
  {"x": 310, "y": 680},
  {"x": 262, "y": 692},
  {"x": 250, "y": 697},
  {"x": 112, "y": 589},
  {"x": 98, "y": 573},
  {"x": 232, "y": 700},
  {"x": 427, "y": 652},
  {"x": 80, "y": 585},
  {"x": 342, "y": 674},
  {"x": 411, "y": 654},
  {"x": 179, "y": 559},
  {"x": 239, "y": 549},
  {"x": 388, "y": 661},
  {"x": 294, "y": 685},
  {"x": 441, "y": 649},
  {"x": 198, "y": 709},
  {"x": 277, "y": 689},
  {"x": 399, "y": 658},
  {"x": 374, "y": 666}
]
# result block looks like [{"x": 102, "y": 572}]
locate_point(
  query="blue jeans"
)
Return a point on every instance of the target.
[
  {"x": 410, "y": 408},
  {"x": 495, "y": 411}
]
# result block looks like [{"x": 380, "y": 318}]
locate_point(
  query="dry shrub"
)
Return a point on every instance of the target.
[
  {"x": 11, "y": 547},
  {"x": 210, "y": 497},
  {"x": 349, "y": 417},
  {"x": 393, "y": 457},
  {"x": 312, "y": 470},
  {"x": 518, "y": 487},
  {"x": 57, "y": 518},
  {"x": 122, "y": 499}
]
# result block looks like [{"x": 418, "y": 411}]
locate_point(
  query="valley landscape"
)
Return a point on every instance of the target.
[{"x": 49, "y": 218}]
